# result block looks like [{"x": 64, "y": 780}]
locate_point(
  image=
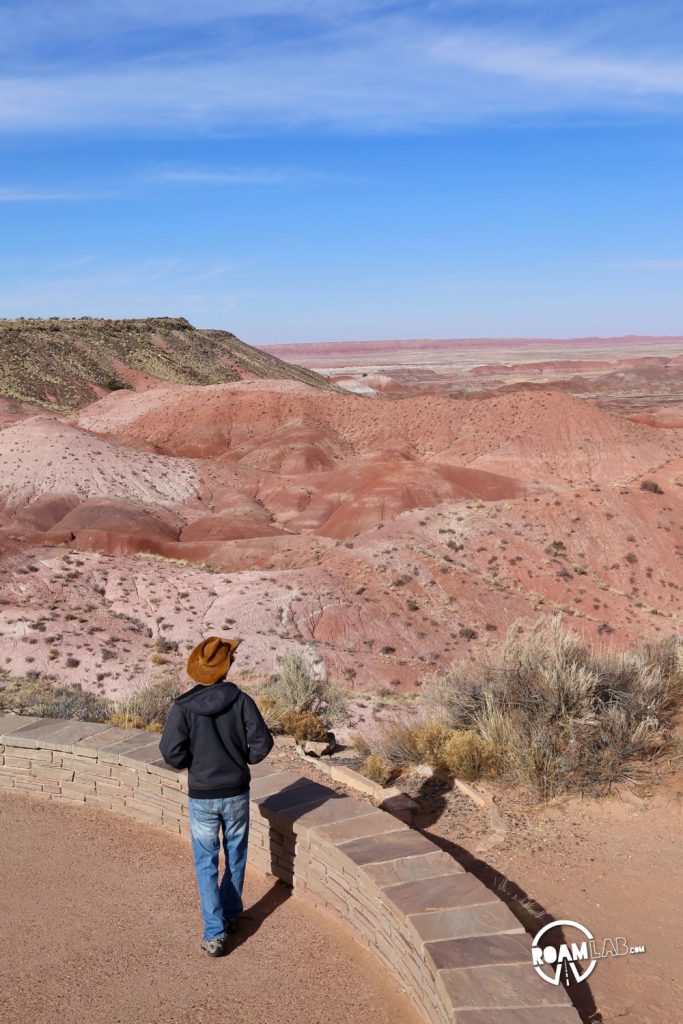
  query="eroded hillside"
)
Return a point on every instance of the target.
[{"x": 64, "y": 364}]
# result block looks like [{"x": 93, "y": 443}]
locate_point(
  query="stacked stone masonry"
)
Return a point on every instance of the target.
[{"x": 452, "y": 944}]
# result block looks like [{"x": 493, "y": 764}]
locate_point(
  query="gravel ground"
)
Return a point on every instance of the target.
[{"x": 100, "y": 925}]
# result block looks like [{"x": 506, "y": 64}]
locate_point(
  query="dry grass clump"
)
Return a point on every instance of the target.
[
  {"x": 561, "y": 715},
  {"x": 405, "y": 742},
  {"x": 436, "y": 742},
  {"x": 299, "y": 700},
  {"x": 360, "y": 744},
  {"x": 468, "y": 756},
  {"x": 271, "y": 709},
  {"x": 148, "y": 707},
  {"x": 35, "y": 696},
  {"x": 303, "y": 725},
  {"x": 376, "y": 769}
]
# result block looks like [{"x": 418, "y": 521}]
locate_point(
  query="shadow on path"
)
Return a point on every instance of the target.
[
  {"x": 529, "y": 912},
  {"x": 252, "y": 918}
]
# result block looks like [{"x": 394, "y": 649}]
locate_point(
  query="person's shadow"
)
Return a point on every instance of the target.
[
  {"x": 254, "y": 916},
  {"x": 432, "y": 799}
]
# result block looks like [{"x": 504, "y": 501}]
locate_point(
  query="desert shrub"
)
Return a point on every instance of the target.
[
  {"x": 360, "y": 743},
  {"x": 33, "y": 696},
  {"x": 652, "y": 486},
  {"x": 113, "y": 383},
  {"x": 298, "y": 687},
  {"x": 430, "y": 740},
  {"x": 376, "y": 769},
  {"x": 147, "y": 707},
  {"x": 396, "y": 743},
  {"x": 162, "y": 645},
  {"x": 561, "y": 715},
  {"x": 405, "y": 742},
  {"x": 468, "y": 756},
  {"x": 467, "y": 633},
  {"x": 303, "y": 725},
  {"x": 272, "y": 711}
]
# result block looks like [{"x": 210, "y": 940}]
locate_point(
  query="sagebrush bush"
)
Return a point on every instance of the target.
[
  {"x": 298, "y": 687},
  {"x": 562, "y": 715}
]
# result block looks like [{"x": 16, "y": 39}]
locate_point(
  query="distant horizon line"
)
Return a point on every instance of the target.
[
  {"x": 488, "y": 339},
  {"x": 379, "y": 342}
]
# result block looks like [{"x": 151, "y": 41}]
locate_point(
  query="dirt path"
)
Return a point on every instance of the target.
[
  {"x": 100, "y": 925},
  {"x": 613, "y": 864}
]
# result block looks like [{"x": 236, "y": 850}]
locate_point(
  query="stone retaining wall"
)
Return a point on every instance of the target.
[{"x": 452, "y": 944}]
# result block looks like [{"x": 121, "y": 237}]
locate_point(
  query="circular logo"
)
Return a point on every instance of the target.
[{"x": 571, "y": 954}]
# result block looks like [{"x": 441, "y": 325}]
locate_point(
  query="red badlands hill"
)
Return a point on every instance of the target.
[
  {"x": 390, "y": 534},
  {"x": 529, "y": 436}
]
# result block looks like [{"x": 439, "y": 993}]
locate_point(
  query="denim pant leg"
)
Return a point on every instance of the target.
[
  {"x": 235, "y": 815},
  {"x": 205, "y": 820}
]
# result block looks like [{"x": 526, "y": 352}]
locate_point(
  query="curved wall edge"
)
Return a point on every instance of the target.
[{"x": 448, "y": 940}]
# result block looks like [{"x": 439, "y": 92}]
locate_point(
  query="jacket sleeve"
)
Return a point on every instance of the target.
[
  {"x": 259, "y": 738},
  {"x": 175, "y": 739}
]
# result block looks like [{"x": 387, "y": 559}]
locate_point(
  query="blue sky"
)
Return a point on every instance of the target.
[{"x": 331, "y": 169}]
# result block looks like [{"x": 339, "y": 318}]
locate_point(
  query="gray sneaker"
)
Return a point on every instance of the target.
[{"x": 214, "y": 947}]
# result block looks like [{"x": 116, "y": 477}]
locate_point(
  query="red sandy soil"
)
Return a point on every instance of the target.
[
  {"x": 372, "y": 530},
  {"x": 100, "y": 924},
  {"x": 613, "y": 865}
]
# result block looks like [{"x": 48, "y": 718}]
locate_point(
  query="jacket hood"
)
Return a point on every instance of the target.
[{"x": 209, "y": 700}]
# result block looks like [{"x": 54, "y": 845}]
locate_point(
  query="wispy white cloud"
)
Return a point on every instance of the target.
[
  {"x": 553, "y": 65},
  {"x": 256, "y": 176},
  {"x": 340, "y": 64},
  {"x": 176, "y": 177}
]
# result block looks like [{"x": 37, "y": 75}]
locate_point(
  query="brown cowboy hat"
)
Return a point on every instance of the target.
[{"x": 211, "y": 659}]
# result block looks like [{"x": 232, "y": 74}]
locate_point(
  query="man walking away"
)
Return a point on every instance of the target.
[{"x": 216, "y": 731}]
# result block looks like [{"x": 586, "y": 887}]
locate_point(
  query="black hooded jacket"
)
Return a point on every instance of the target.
[{"x": 216, "y": 732}]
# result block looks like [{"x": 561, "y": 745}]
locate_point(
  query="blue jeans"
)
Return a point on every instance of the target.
[{"x": 208, "y": 818}]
